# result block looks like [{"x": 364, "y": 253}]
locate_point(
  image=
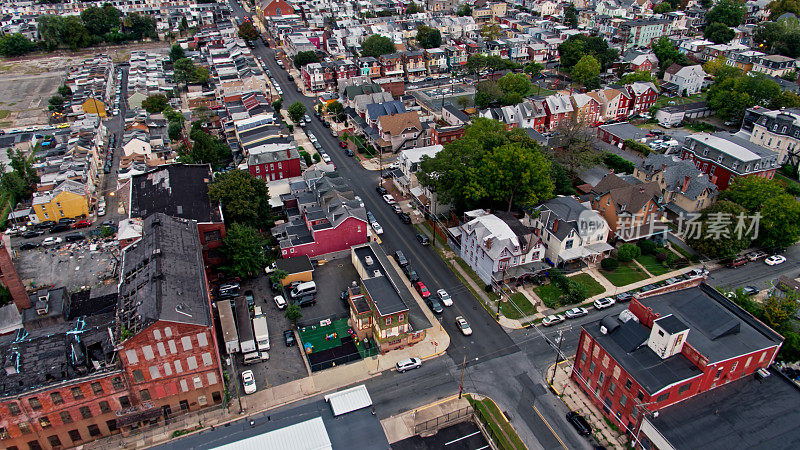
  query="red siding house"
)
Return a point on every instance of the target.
[
  {"x": 666, "y": 349},
  {"x": 643, "y": 96},
  {"x": 272, "y": 8},
  {"x": 724, "y": 157},
  {"x": 274, "y": 162}
]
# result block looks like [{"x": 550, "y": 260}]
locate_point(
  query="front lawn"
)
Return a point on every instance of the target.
[
  {"x": 592, "y": 286},
  {"x": 652, "y": 265},
  {"x": 550, "y": 294},
  {"x": 523, "y": 306},
  {"x": 625, "y": 274}
]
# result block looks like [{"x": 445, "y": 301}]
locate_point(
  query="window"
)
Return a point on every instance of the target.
[
  {"x": 97, "y": 388},
  {"x": 116, "y": 383},
  {"x": 662, "y": 397},
  {"x": 623, "y": 400},
  {"x": 13, "y": 408},
  {"x": 157, "y": 334},
  {"x": 612, "y": 388},
  {"x": 186, "y": 341},
  {"x": 684, "y": 388},
  {"x": 86, "y": 413},
  {"x": 104, "y": 407},
  {"x": 583, "y": 358},
  {"x": 24, "y": 428},
  {"x": 735, "y": 365},
  {"x": 94, "y": 430},
  {"x": 198, "y": 382},
  {"x": 591, "y": 367},
  {"x": 138, "y": 376},
  {"x": 388, "y": 321},
  {"x": 719, "y": 373},
  {"x": 65, "y": 417},
  {"x": 111, "y": 424},
  {"x": 4, "y": 434},
  {"x": 77, "y": 393},
  {"x": 124, "y": 402},
  {"x": 34, "y": 402},
  {"x": 601, "y": 378},
  {"x": 640, "y": 395},
  {"x": 54, "y": 441},
  {"x": 400, "y": 317},
  {"x": 191, "y": 362},
  {"x": 628, "y": 384},
  {"x": 44, "y": 422},
  {"x": 184, "y": 405},
  {"x": 56, "y": 398},
  {"x": 144, "y": 394},
  {"x": 75, "y": 435},
  {"x": 216, "y": 397}
]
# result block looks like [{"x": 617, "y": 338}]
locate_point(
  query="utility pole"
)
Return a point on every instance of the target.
[
  {"x": 560, "y": 339},
  {"x": 461, "y": 385}
]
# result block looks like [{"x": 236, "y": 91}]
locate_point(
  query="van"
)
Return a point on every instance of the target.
[
  {"x": 302, "y": 289},
  {"x": 252, "y": 358}
]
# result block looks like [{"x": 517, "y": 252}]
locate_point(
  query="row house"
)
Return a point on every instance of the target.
[
  {"x": 724, "y": 157},
  {"x": 320, "y": 76},
  {"x": 714, "y": 51},
  {"x": 614, "y": 104},
  {"x": 559, "y": 108},
  {"x": 533, "y": 114},
  {"x": 518, "y": 50},
  {"x": 497, "y": 48},
  {"x": 345, "y": 69},
  {"x": 744, "y": 60},
  {"x": 400, "y": 131},
  {"x": 369, "y": 67},
  {"x": 774, "y": 65},
  {"x": 436, "y": 60},
  {"x": 391, "y": 65},
  {"x": 631, "y": 210},
  {"x": 456, "y": 55},
  {"x": 414, "y": 64},
  {"x": 685, "y": 187},
  {"x": 638, "y": 60},
  {"x": 274, "y": 162},
  {"x": 538, "y": 52},
  {"x": 587, "y": 107},
  {"x": 641, "y": 33},
  {"x": 644, "y": 95},
  {"x": 776, "y": 130}
]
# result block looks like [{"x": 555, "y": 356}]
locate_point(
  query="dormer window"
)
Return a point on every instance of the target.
[{"x": 719, "y": 159}]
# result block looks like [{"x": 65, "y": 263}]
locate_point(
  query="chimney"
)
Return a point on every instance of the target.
[
  {"x": 288, "y": 152},
  {"x": 663, "y": 167},
  {"x": 10, "y": 276},
  {"x": 686, "y": 181},
  {"x": 555, "y": 225}
]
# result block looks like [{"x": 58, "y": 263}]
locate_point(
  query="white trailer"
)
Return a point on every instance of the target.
[
  {"x": 228, "y": 327},
  {"x": 247, "y": 343},
  {"x": 261, "y": 333}
]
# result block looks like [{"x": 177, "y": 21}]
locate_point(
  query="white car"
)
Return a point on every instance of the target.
[
  {"x": 389, "y": 199},
  {"x": 51, "y": 241},
  {"x": 360, "y": 202},
  {"x": 574, "y": 313},
  {"x": 280, "y": 302},
  {"x": 445, "y": 297},
  {"x": 408, "y": 364},
  {"x": 101, "y": 212},
  {"x": 552, "y": 320},
  {"x": 312, "y": 138},
  {"x": 326, "y": 158},
  {"x": 603, "y": 303},
  {"x": 463, "y": 325},
  {"x": 249, "y": 382},
  {"x": 270, "y": 268},
  {"x": 774, "y": 260},
  {"x": 377, "y": 227}
]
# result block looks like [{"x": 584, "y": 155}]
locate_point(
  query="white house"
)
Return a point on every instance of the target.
[
  {"x": 687, "y": 80},
  {"x": 407, "y": 183},
  {"x": 498, "y": 246},
  {"x": 138, "y": 146},
  {"x": 571, "y": 231}
]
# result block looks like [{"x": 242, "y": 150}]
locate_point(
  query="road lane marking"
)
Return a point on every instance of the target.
[
  {"x": 548, "y": 426},
  {"x": 462, "y": 437}
]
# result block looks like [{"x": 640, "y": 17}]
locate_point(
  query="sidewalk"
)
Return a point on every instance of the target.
[
  {"x": 576, "y": 400},
  {"x": 404, "y": 425}
]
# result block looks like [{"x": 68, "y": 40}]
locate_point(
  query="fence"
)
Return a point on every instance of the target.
[{"x": 461, "y": 415}]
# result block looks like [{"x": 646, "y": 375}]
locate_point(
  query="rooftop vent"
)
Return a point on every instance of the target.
[
  {"x": 376, "y": 273},
  {"x": 368, "y": 260}
]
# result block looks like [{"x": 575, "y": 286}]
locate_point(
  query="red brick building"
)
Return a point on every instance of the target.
[
  {"x": 445, "y": 135},
  {"x": 666, "y": 349},
  {"x": 272, "y": 8},
  {"x": 274, "y": 162},
  {"x": 725, "y": 157}
]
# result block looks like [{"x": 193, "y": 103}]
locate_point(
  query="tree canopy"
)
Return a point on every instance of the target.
[
  {"x": 778, "y": 8},
  {"x": 377, "y": 45},
  {"x": 781, "y": 37},
  {"x": 244, "y": 250},
  {"x": 727, "y": 12},
  {"x": 176, "y": 52},
  {"x": 15, "y": 45},
  {"x": 244, "y": 198},
  {"x": 428, "y": 37},
  {"x": 99, "y": 21},
  {"x": 585, "y": 70},
  {"x": 718, "y": 33},
  {"x": 667, "y": 54},
  {"x": 296, "y": 111},
  {"x": 577, "y": 46},
  {"x": 414, "y": 8},
  {"x": 306, "y": 57},
  {"x": 725, "y": 243},
  {"x": 571, "y": 16},
  {"x": 733, "y": 92},
  {"x": 464, "y": 10},
  {"x": 248, "y": 32},
  {"x": 155, "y": 103},
  {"x": 206, "y": 149},
  {"x": 336, "y": 109},
  {"x": 639, "y": 75}
]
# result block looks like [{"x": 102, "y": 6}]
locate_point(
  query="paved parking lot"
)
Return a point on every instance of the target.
[{"x": 464, "y": 435}]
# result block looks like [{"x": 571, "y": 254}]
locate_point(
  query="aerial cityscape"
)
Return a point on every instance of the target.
[{"x": 413, "y": 224}]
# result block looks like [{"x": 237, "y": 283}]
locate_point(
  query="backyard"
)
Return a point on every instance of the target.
[
  {"x": 663, "y": 100},
  {"x": 550, "y": 294},
  {"x": 318, "y": 338},
  {"x": 625, "y": 274}
]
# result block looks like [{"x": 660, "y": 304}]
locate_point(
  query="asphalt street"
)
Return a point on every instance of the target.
[{"x": 757, "y": 273}]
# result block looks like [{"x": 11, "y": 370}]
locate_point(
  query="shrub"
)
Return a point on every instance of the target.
[
  {"x": 575, "y": 293},
  {"x": 609, "y": 264},
  {"x": 306, "y": 158},
  {"x": 628, "y": 252},
  {"x": 636, "y": 146},
  {"x": 317, "y": 157},
  {"x": 618, "y": 163},
  {"x": 793, "y": 189},
  {"x": 647, "y": 246},
  {"x": 661, "y": 255},
  {"x": 558, "y": 279}
]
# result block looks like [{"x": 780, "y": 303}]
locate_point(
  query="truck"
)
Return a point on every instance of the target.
[
  {"x": 228, "y": 326},
  {"x": 247, "y": 342},
  {"x": 261, "y": 333}
]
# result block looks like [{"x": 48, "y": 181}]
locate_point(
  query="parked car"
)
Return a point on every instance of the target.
[
  {"x": 574, "y": 313},
  {"x": 306, "y": 300},
  {"x": 463, "y": 325},
  {"x": 422, "y": 289},
  {"x": 553, "y": 319},
  {"x": 579, "y": 423},
  {"x": 342, "y": 144},
  {"x": 445, "y": 297},
  {"x": 45, "y": 225},
  {"x": 774, "y": 260},
  {"x": 397, "y": 209},
  {"x": 422, "y": 239},
  {"x": 750, "y": 290},
  {"x": 250, "y": 298},
  {"x": 280, "y": 302},
  {"x": 82, "y": 224},
  {"x": 270, "y": 268},
  {"x": 624, "y": 297},
  {"x": 603, "y": 303},
  {"x": 101, "y": 211},
  {"x": 360, "y": 202},
  {"x": 377, "y": 227},
  {"x": 74, "y": 237},
  {"x": 738, "y": 261},
  {"x": 400, "y": 258},
  {"x": 408, "y": 364},
  {"x": 51, "y": 241},
  {"x": 66, "y": 220},
  {"x": 433, "y": 303},
  {"x": 381, "y": 190},
  {"x": 405, "y": 218},
  {"x": 31, "y": 234},
  {"x": 370, "y": 217},
  {"x": 28, "y": 245},
  {"x": 59, "y": 227},
  {"x": 288, "y": 338},
  {"x": 348, "y": 152},
  {"x": 312, "y": 138},
  {"x": 249, "y": 382},
  {"x": 388, "y": 199},
  {"x": 411, "y": 273},
  {"x": 756, "y": 255}
]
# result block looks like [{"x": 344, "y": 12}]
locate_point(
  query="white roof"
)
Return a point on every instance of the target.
[
  {"x": 414, "y": 155},
  {"x": 308, "y": 435},
  {"x": 730, "y": 148},
  {"x": 349, "y": 400}
]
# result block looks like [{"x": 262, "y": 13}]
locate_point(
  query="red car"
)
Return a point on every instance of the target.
[
  {"x": 422, "y": 289},
  {"x": 82, "y": 224},
  {"x": 343, "y": 144}
]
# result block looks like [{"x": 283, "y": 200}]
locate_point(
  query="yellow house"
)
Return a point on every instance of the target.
[
  {"x": 297, "y": 268},
  {"x": 94, "y": 106},
  {"x": 68, "y": 199}
]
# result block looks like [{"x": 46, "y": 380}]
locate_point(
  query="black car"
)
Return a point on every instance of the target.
[
  {"x": 306, "y": 300},
  {"x": 31, "y": 234},
  {"x": 411, "y": 273},
  {"x": 423, "y": 239},
  {"x": 435, "y": 304},
  {"x": 401, "y": 258},
  {"x": 45, "y": 225},
  {"x": 74, "y": 237},
  {"x": 348, "y": 152},
  {"x": 405, "y": 218},
  {"x": 249, "y": 298},
  {"x": 28, "y": 245},
  {"x": 66, "y": 220},
  {"x": 580, "y": 424},
  {"x": 59, "y": 227},
  {"x": 288, "y": 338},
  {"x": 624, "y": 297},
  {"x": 381, "y": 190}
]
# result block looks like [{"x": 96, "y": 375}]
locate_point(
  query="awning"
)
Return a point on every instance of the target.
[
  {"x": 600, "y": 247},
  {"x": 349, "y": 400},
  {"x": 573, "y": 253},
  {"x": 140, "y": 416}
]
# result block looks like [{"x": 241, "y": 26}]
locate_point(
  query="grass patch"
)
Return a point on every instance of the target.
[
  {"x": 652, "y": 265},
  {"x": 535, "y": 91},
  {"x": 475, "y": 277},
  {"x": 665, "y": 101},
  {"x": 592, "y": 286},
  {"x": 502, "y": 431},
  {"x": 626, "y": 274},
  {"x": 549, "y": 293},
  {"x": 439, "y": 237},
  {"x": 517, "y": 307}
]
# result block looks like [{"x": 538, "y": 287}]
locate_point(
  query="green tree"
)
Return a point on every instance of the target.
[
  {"x": 751, "y": 192},
  {"x": 184, "y": 26},
  {"x": 726, "y": 243},
  {"x": 155, "y": 103},
  {"x": 140, "y": 26},
  {"x": 571, "y": 16},
  {"x": 718, "y": 33},
  {"x": 174, "y": 130},
  {"x": 662, "y": 8},
  {"x": 377, "y": 45},
  {"x": 99, "y": 21},
  {"x": 514, "y": 83},
  {"x": 576, "y": 47},
  {"x": 206, "y": 149},
  {"x": 628, "y": 252},
  {"x": 667, "y": 54},
  {"x": 278, "y": 276},
  {"x": 176, "y": 52},
  {"x": 733, "y": 92},
  {"x": 293, "y": 313},
  {"x": 533, "y": 69},
  {"x": 713, "y": 66},
  {"x": 336, "y": 109},
  {"x": 248, "y": 32},
  {"x": 303, "y": 58},
  {"x": 201, "y": 75},
  {"x": 414, "y": 8},
  {"x": 15, "y": 45},
  {"x": 428, "y": 37},
  {"x": 780, "y": 222},
  {"x": 243, "y": 247},
  {"x": 491, "y": 32},
  {"x": 778, "y": 311},
  {"x": 727, "y": 12},
  {"x": 56, "y": 103},
  {"x": 464, "y": 10},
  {"x": 296, "y": 111},
  {"x": 64, "y": 91},
  {"x": 276, "y": 105},
  {"x": 585, "y": 70},
  {"x": 487, "y": 92},
  {"x": 475, "y": 63},
  {"x": 786, "y": 99},
  {"x": 514, "y": 173},
  {"x": 778, "y": 8},
  {"x": 184, "y": 70},
  {"x": 244, "y": 198},
  {"x": 639, "y": 75}
]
